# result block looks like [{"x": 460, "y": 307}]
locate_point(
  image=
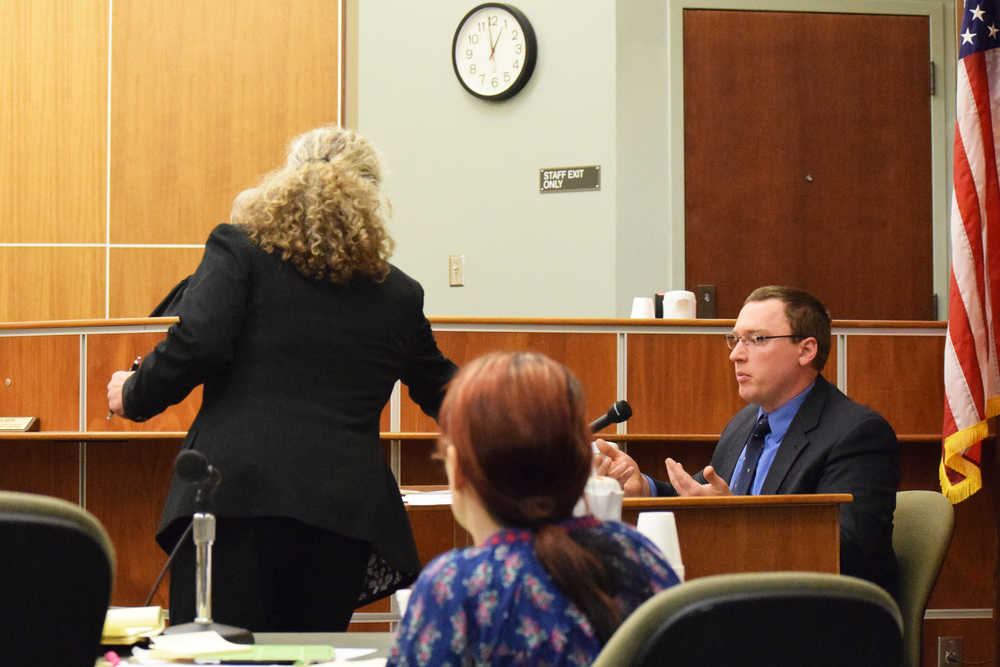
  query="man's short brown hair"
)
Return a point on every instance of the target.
[{"x": 806, "y": 314}]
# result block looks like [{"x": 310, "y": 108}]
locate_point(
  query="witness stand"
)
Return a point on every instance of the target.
[{"x": 717, "y": 535}]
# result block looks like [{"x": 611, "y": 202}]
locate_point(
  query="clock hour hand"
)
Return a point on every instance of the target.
[{"x": 493, "y": 44}]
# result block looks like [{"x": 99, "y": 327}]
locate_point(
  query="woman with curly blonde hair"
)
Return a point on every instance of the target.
[
  {"x": 298, "y": 327},
  {"x": 322, "y": 211}
]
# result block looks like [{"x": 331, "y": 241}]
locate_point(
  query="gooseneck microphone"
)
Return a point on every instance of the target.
[
  {"x": 192, "y": 467},
  {"x": 617, "y": 413}
]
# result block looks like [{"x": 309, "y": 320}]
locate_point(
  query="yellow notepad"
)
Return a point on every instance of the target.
[{"x": 127, "y": 625}]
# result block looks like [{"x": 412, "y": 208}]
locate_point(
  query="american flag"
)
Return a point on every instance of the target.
[{"x": 971, "y": 376}]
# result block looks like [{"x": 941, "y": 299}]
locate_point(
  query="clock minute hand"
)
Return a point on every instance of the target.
[{"x": 493, "y": 44}]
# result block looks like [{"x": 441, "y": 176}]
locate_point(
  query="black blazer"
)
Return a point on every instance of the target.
[
  {"x": 833, "y": 445},
  {"x": 296, "y": 373}
]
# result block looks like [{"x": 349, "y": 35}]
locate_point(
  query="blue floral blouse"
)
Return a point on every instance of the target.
[{"x": 497, "y": 605}]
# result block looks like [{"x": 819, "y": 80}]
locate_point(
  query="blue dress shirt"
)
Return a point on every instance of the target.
[{"x": 779, "y": 420}]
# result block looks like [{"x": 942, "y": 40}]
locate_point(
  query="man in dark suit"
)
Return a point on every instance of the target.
[{"x": 799, "y": 433}]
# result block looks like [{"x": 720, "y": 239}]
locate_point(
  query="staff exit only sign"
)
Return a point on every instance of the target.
[{"x": 569, "y": 179}]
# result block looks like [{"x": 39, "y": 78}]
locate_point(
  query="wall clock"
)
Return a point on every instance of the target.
[{"x": 494, "y": 50}]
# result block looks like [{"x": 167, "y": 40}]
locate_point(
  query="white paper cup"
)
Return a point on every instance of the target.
[
  {"x": 661, "y": 529},
  {"x": 602, "y": 497},
  {"x": 402, "y": 597},
  {"x": 679, "y": 305},
  {"x": 642, "y": 307}
]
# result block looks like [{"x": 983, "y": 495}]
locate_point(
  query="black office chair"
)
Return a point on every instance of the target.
[
  {"x": 56, "y": 570},
  {"x": 761, "y": 618}
]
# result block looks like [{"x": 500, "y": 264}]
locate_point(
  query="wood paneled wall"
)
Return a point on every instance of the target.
[
  {"x": 128, "y": 152},
  {"x": 680, "y": 386},
  {"x": 53, "y": 111},
  {"x": 40, "y": 282},
  {"x": 40, "y": 377},
  {"x": 107, "y": 353}
]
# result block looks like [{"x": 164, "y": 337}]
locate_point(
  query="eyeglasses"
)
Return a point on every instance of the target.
[{"x": 753, "y": 340}]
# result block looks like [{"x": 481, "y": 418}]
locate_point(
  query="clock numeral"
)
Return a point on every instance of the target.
[
  {"x": 481, "y": 26},
  {"x": 482, "y": 79},
  {"x": 468, "y": 53},
  {"x": 472, "y": 68},
  {"x": 494, "y": 20},
  {"x": 506, "y": 77},
  {"x": 516, "y": 64},
  {"x": 473, "y": 39},
  {"x": 514, "y": 34},
  {"x": 494, "y": 82},
  {"x": 517, "y": 48}
]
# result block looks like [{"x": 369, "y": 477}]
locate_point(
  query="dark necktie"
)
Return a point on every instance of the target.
[{"x": 755, "y": 445}]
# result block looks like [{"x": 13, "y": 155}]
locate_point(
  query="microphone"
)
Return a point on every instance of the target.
[
  {"x": 192, "y": 467},
  {"x": 617, "y": 413}
]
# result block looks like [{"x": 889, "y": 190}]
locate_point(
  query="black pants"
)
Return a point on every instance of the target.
[{"x": 274, "y": 575}]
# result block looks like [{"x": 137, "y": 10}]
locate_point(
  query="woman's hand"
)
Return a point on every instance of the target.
[{"x": 115, "y": 404}]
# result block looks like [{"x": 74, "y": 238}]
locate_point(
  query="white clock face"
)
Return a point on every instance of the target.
[{"x": 493, "y": 56}]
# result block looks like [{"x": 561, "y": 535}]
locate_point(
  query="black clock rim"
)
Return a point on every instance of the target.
[{"x": 529, "y": 59}]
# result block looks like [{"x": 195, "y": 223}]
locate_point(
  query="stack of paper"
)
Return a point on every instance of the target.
[
  {"x": 442, "y": 497},
  {"x": 186, "y": 646},
  {"x": 127, "y": 625},
  {"x": 210, "y": 648}
]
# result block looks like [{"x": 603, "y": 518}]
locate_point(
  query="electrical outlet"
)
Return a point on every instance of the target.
[
  {"x": 949, "y": 651},
  {"x": 456, "y": 270}
]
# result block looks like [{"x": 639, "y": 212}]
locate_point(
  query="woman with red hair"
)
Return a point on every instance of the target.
[{"x": 539, "y": 587}]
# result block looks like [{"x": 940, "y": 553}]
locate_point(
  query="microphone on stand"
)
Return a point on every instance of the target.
[
  {"x": 617, "y": 413},
  {"x": 192, "y": 467}
]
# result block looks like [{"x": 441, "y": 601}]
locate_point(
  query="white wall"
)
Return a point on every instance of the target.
[
  {"x": 607, "y": 90},
  {"x": 645, "y": 242},
  {"x": 463, "y": 172}
]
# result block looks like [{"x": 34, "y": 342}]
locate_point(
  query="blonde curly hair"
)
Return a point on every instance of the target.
[{"x": 323, "y": 210}]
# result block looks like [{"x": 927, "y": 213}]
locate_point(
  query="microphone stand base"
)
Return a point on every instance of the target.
[{"x": 227, "y": 632}]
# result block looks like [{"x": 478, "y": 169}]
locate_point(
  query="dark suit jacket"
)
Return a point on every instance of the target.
[
  {"x": 833, "y": 445},
  {"x": 296, "y": 373}
]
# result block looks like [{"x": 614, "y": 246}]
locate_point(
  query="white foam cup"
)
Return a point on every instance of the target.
[
  {"x": 679, "y": 305},
  {"x": 602, "y": 497},
  {"x": 642, "y": 307},
  {"x": 661, "y": 529},
  {"x": 402, "y": 598}
]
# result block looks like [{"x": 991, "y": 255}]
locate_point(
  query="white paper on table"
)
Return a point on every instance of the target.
[
  {"x": 352, "y": 653},
  {"x": 442, "y": 497},
  {"x": 187, "y": 645}
]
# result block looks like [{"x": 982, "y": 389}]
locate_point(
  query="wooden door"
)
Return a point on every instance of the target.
[{"x": 808, "y": 158}]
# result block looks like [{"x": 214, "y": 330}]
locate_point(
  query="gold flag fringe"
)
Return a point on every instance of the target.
[{"x": 952, "y": 457}]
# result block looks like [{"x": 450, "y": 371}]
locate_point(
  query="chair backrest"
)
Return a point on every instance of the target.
[
  {"x": 761, "y": 618},
  {"x": 56, "y": 570},
  {"x": 922, "y": 529}
]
